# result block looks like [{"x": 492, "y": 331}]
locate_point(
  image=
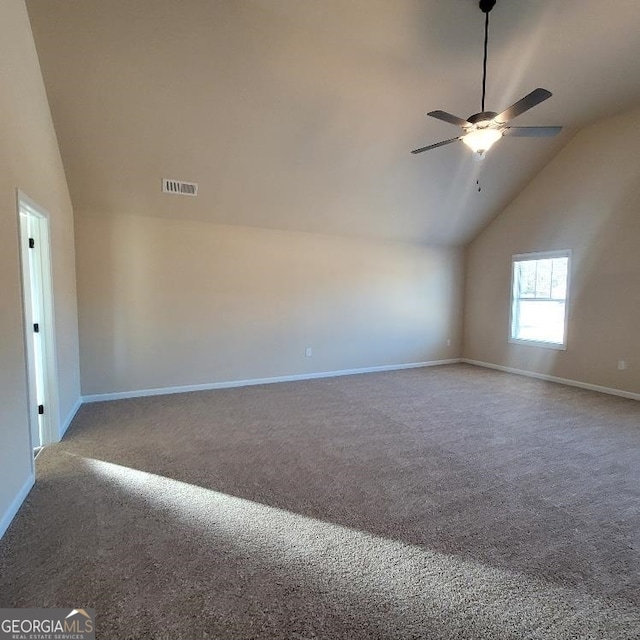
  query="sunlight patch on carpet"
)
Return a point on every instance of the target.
[{"x": 405, "y": 582}]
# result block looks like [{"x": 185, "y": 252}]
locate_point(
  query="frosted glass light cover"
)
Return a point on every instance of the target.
[{"x": 481, "y": 140}]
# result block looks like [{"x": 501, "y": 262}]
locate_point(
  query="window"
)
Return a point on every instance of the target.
[{"x": 540, "y": 284}]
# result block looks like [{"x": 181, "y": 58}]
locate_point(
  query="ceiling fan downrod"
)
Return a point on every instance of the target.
[{"x": 485, "y": 7}]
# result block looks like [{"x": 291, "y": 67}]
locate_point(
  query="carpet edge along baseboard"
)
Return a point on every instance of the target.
[{"x": 139, "y": 393}]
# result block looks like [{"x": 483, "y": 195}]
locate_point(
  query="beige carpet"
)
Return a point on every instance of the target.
[{"x": 442, "y": 503}]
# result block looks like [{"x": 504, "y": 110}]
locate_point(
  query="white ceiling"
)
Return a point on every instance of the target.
[{"x": 301, "y": 114}]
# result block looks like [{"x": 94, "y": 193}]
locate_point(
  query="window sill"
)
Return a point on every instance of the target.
[{"x": 535, "y": 343}]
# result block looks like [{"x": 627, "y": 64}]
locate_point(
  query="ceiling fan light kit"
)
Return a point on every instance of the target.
[
  {"x": 481, "y": 140},
  {"x": 484, "y": 129}
]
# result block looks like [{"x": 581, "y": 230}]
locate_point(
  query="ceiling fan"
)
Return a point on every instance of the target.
[{"x": 482, "y": 130}]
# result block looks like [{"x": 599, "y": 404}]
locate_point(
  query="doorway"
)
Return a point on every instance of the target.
[{"x": 37, "y": 298}]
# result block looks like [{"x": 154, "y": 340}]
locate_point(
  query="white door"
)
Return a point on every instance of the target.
[{"x": 38, "y": 318}]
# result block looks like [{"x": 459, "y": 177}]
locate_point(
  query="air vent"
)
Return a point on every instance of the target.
[{"x": 179, "y": 187}]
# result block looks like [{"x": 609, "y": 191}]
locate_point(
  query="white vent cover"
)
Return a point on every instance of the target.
[{"x": 179, "y": 187}]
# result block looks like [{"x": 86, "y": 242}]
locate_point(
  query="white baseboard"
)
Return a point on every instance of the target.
[
  {"x": 548, "y": 378},
  {"x": 72, "y": 414},
  {"x": 10, "y": 513},
  {"x": 120, "y": 395}
]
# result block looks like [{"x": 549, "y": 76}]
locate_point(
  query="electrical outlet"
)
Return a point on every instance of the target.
[
  {"x": 622, "y": 365},
  {"x": 308, "y": 352},
  {"x": 448, "y": 342}
]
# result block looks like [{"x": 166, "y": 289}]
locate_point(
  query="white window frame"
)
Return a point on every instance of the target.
[{"x": 540, "y": 255}]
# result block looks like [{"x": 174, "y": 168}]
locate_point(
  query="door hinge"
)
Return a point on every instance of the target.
[
  {"x": 40, "y": 409},
  {"x": 36, "y": 327},
  {"x": 32, "y": 243}
]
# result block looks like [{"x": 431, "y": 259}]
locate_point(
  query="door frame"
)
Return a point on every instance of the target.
[{"x": 39, "y": 221}]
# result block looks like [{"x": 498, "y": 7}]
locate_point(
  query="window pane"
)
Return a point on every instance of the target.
[
  {"x": 543, "y": 278},
  {"x": 559, "y": 278},
  {"x": 540, "y": 320},
  {"x": 526, "y": 274}
]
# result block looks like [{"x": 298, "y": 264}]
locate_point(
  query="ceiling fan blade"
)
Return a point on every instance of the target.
[
  {"x": 531, "y": 100},
  {"x": 436, "y": 145},
  {"x": 450, "y": 118},
  {"x": 532, "y": 132}
]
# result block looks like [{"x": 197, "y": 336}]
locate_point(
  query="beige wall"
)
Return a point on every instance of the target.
[
  {"x": 167, "y": 303},
  {"x": 588, "y": 200},
  {"x": 30, "y": 161}
]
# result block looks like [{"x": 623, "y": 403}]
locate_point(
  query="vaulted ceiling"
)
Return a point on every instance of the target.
[{"x": 301, "y": 114}]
